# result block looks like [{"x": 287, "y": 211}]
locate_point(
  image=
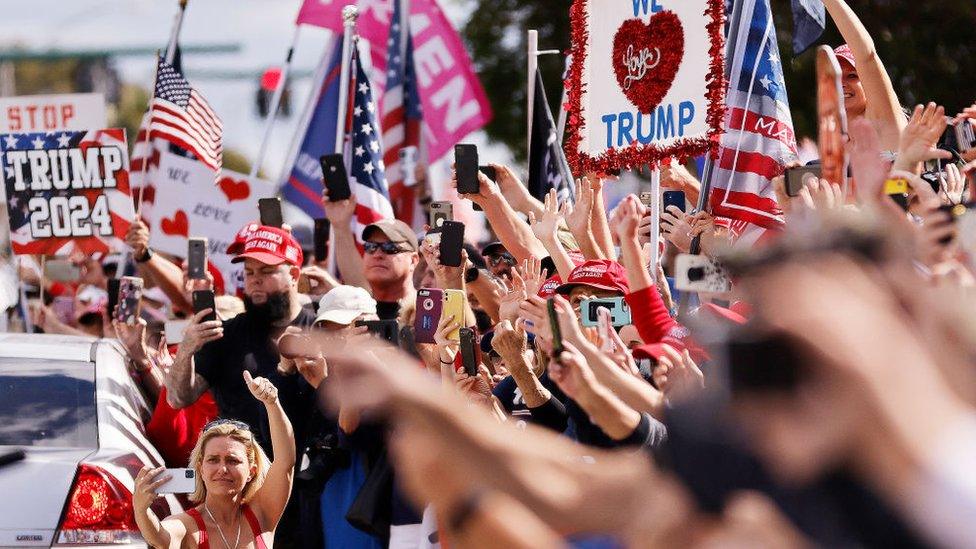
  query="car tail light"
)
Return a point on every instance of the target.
[{"x": 99, "y": 510}]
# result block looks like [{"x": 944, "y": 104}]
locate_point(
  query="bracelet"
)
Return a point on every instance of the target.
[
  {"x": 442, "y": 362},
  {"x": 145, "y": 257},
  {"x": 465, "y": 510}
]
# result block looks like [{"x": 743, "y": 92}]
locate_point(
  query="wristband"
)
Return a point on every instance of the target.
[
  {"x": 464, "y": 510},
  {"x": 145, "y": 257}
]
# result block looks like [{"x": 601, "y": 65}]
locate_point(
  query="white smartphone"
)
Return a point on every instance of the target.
[
  {"x": 174, "y": 331},
  {"x": 700, "y": 273},
  {"x": 182, "y": 481}
]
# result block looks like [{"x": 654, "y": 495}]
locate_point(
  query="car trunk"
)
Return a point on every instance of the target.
[{"x": 35, "y": 491}]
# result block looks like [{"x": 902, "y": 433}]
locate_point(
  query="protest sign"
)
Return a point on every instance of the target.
[
  {"x": 646, "y": 81},
  {"x": 67, "y": 190},
  {"x": 50, "y": 113},
  {"x": 188, "y": 203}
]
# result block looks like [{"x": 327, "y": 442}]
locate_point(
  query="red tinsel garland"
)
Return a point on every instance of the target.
[{"x": 636, "y": 155}]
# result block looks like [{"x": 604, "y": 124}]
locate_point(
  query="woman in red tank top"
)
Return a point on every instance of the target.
[{"x": 241, "y": 498}]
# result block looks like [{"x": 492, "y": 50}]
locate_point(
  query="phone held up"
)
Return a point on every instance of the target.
[
  {"x": 130, "y": 299},
  {"x": 469, "y": 353},
  {"x": 439, "y": 213},
  {"x": 204, "y": 299},
  {"x": 270, "y": 212},
  {"x": 320, "y": 234},
  {"x": 385, "y": 329},
  {"x": 619, "y": 311},
  {"x": 699, "y": 273},
  {"x": 430, "y": 302},
  {"x": 452, "y": 241},
  {"x": 466, "y": 167},
  {"x": 182, "y": 481},
  {"x": 673, "y": 198},
  {"x": 797, "y": 177},
  {"x": 334, "y": 177},
  {"x": 557, "y": 334},
  {"x": 454, "y": 307},
  {"x": 196, "y": 258}
]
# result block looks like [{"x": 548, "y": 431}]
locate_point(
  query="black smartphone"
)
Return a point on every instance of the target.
[
  {"x": 452, "y": 239},
  {"x": 334, "y": 177},
  {"x": 489, "y": 171},
  {"x": 320, "y": 235},
  {"x": 796, "y": 177},
  {"x": 557, "y": 334},
  {"x": 270, "y": 212},
  {"x": 673, "y": 198},
  {"x": 113, "y": 295},
  {"x": 196, "y": 258},
  {"x": 386, "y": 329},
  {"x": 408, "y": 340},
  {"x": 469, "y": 355},
  {"x": 204, "y": 299},
  {"x": 466, "y": 167}
]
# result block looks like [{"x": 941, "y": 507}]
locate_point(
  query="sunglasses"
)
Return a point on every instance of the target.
[
  {"x": 388, "y": 248},
  {"x": 495, "y": 259},
  {"x": 233, "y": 422}
]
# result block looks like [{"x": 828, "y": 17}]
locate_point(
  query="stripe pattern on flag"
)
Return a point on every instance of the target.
[{"x": 183, "y": 117}]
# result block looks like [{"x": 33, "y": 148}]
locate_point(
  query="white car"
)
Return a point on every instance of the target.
[{"x": 71, "y": 406}]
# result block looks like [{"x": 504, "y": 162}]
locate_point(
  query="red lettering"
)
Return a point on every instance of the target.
[
  {"x": 13, "y": 118},
  {"x": 67, "y": 113},
  {"x": 31, "y": 109},
  {"x": 50, "y": 117}
]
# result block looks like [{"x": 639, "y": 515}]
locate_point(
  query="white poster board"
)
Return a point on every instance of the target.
[{"x": 49, "y": 113}]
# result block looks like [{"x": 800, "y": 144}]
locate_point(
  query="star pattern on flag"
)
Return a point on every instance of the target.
[
  {"x": 38, "y": 142},
  {"x": 11, "y": 141},
  {"x": 364, "y": 88},
  {"x": 360, "y": 151},
  {"x": 357, "y": 111},
  {"x": 366, "y": 161},
  {"x": 765, "y": 81},
  {"x": 773, "y": 58},
  {"x": 64, "y": 140}
]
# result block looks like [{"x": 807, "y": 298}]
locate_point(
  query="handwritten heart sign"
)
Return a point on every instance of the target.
[
  {"x": 646, "y": 58},
  {"x": 234, "y": 189},
  {"x": 177, "y": 225}
]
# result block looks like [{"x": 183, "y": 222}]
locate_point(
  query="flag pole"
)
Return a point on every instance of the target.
[
  {"x": 149, "y": 110},
  {"x": 275, "y": 103},
  {"x": 175, "y": 34},
  {"x": 655, "y": 222},
  {"x": 533, "y": 65},
  {"x": 349, "y": 15}
]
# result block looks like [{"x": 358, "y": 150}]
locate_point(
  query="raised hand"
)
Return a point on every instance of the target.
[
  {"x": 133, "y": 338},
  {"x": 677, "y": 227},
  {"x": 545, "y": 227},
  {"x": 577, "y": 215},
  {"x": 864, "y": 150},
  {"x": 261, "y": 389},
  {"x": 147, "y": 480},
  {"x": 508, "y": 304},
  {"x": 627, "y": 219},
  {"x": 340, "y": 212},
  {"x": 447, "y": 348},
  {"x": 137, "y": 237},
  {"x": 199, "y": 332},
  {"x": 534, "y": 275},
  {"x": 919, "y": 138},
  {"x": 487, "y": 189},
  {"x": 571, "y": 372},
  {"x": 510, "y": 341},
  {"x": 953, "y": 185}
]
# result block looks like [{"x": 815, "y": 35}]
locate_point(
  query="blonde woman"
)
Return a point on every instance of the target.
[{"x": 241, "y": 498}]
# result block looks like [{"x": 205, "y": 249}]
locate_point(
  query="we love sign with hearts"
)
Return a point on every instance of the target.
[
  {"x": 188, "y": 203},
  {"x": 646, "y": 81}
]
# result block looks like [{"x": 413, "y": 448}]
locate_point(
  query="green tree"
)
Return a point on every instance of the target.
[{"x": 927, "y": 47}]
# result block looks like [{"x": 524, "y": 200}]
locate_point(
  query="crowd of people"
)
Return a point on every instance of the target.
[{"x": 827, "y": 399}]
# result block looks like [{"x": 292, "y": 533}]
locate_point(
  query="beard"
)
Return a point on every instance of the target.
[{"x": 275, "y": 309}]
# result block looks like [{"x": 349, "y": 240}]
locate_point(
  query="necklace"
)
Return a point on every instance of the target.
[{"x": 221, "y": 531}]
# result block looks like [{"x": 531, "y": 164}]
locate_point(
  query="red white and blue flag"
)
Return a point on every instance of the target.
[
  {"x": 401, "y": 120},
  {"x": 367, "y": 177},
  {"x": 180, "y": 115},
  {"x": 758, "y": 141}
]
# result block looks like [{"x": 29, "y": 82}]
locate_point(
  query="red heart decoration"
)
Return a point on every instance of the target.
[
  {"x": 234, "y": 189},
  {"x": 646, "y": 58},
  {"x": 178, "y": 225}
]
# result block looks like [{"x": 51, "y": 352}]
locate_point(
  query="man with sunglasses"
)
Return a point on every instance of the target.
[
  {"x": 499, "y": 261},
  {"x": 390, "y": 255}
]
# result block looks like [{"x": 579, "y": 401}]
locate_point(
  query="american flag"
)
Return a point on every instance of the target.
[
  {"x": 117, "y": 199},
  {"x": 758, "y": 140},
  {"x": 183, "y": 117},
  {"x": 366, "y": 167},
  {"x": 145, "y": 153},
  {"x": 402, "y": 118}
]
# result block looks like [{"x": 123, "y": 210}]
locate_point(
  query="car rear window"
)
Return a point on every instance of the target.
[{"x": 47, "y": 403}]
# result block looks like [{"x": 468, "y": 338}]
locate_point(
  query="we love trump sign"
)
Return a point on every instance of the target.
[{"x": 646, "y": 81}]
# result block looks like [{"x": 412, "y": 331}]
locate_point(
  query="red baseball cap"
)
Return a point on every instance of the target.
[
  {"x": 597, "y": 273},
  {"x": 548, "y": 288},
  {"x": 844, "y": 53},
  {"x": 722, "y": 313},
  {"x": 271, "y": 246},
  {"x": 237, "y": 246}
]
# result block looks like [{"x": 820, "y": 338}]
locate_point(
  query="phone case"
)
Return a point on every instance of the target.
[
  {"x": 557, "y": 333},
  {"x": 699, "y": 273},
  {"x": 466, "y": 167},
  {"x": 452, "y": 240},
  {"x": 468, "y": 350},
  {"x": 673, "y": 198},
  {"x": 430, "y": 303},
  {"x": 646, "y": 198},
  {"x": 130, "y": 298},
  {"x": 489, "y": 171},
  {"x": 183, "y": 481},
  {"x": 334, "y": 177},
  {"x": 797, "y": 177},
  {"x": 196, "y": 258},
  {"x": 270, "y": 212},
  {"x": 439, "y": 213},
  {"x": 454, "y": 306},
  {"x": 204, "y": 299},
  {"x": 321, "y": 235},
  {"x": 619, "y": 311},
  {"x": 113, "y": 295}
]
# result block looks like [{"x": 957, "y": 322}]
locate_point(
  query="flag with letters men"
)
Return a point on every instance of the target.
[
  {"x": 67, "y": 191},
  {"x": 758, "y": 141}
]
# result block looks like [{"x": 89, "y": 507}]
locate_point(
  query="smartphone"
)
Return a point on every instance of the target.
[
  {"x": 469, "y": 354},
  {"x": 113, "y": 295},
  {"x": 270, "y": 211},
  {"x": 439, "y": 213},
  {"x": 64, "y": 307},
  {"x": 196, "y": 258},
  {"x": 130, "y": 299},
  {"x": 182, "y": 481},
  {"x": 320, "y": 236},
  {"x": 385, "y": 329},
  {"x": 489, "y": 171},
  {"x": 454, "y": 306},
  {"x": 61, "y": 270},
  {"x": 452, "y": 240},
  {"x": 557, "y": 334},
  {"x": 673, "y": 198},
  {"x": 304, "y": 285},
  {"x": 700, "y": 273},
  {"x": 204, "y": 299},
  {"x": 897, "y": 189},
  {"x": 334, "y": 177},
  {"x": 965, "y": 136},
  {"x": 619, "y": 311},
  {"x": 430, "y": 302},
  {"x": 796, "y": 178},
  {"x": 647, "y": 199},
  {"x": 466, "y": 167},
  {"x": 408, "y": 342},
  {"x": 173, "y": 329}
]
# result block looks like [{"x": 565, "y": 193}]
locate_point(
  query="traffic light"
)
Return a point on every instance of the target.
[{"x": 266, "y": 88}]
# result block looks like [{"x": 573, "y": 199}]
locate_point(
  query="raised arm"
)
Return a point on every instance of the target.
[
  {"x": 882, "y": 106},
  {"x": 168, "y": 533},
  {"x": 272, "y": 497},
  {"x": 183, "y": 385},
  {"x": 161, "y": 271},
  {"x": 545, "y": 227},
  {"x": 512, "y": 232},
  {"x": 350, "y": 263},
  {"x": 598, "y": 216}
]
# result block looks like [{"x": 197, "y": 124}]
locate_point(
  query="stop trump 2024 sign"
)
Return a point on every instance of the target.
[{"x": 646, "y": 82}]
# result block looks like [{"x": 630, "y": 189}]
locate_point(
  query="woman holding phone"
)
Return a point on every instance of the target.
[{"x": 240, "y": 496}]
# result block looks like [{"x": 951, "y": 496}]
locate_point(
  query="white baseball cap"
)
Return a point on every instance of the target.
[{"x": 343, "y": 304}]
